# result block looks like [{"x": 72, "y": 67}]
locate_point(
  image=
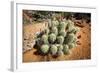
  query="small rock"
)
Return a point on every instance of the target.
[
  {"x": 79, "y": 37},
  {"x": 78, "y": 43}
]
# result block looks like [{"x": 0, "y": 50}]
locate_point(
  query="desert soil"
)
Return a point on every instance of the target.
[{"x": 81, "y": 52}]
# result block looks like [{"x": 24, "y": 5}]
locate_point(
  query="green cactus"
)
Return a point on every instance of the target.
[
  {"x": 70, "y": 23},
  {"x": 55, "y": 22},
  {"x": 60, "y": 53},
  {"x": 60, "y": 47},
  {"x": 44, "y": 39},
  {"x": 62, "y": 25},
  {"x": 49, "y": 23},
  {"x": 52, "y": 38},
  {"x": 60, "y": 39},
  {"x": 76, "y": 29},
  {"x": 66, "y": 49},
  {"x": 62, "y": 33},
  {"x": 73, "y": 29},
  {"x": 75, "y": 39},
  {"x": 70, "y": 26},
  {"x": 44, "y": 49},
  {"x": 71, "y": 45},
  {"x": 47, "y": 31},
  {"x": 53, "y": 49},
  {"x": 70, "y": 38},
  {"x": 54, "y": 30},
  {"x": 60, "y": 36}
]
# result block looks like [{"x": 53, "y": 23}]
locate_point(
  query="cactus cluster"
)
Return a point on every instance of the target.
[{"x": 58, "y": 38}]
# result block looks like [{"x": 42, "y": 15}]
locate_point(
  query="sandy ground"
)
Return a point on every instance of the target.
[{"x": 81, "y": 52}]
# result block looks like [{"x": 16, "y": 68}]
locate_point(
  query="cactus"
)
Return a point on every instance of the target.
[
  {"x": 44, "y": 39},
  {"x": 70, "y": 26},
  {"x": 54, "y": 30},
  {"x": 52, "y": 38},
  {"x": 44, "y": 49},
  {"x": 49, "y": 23},
  {"x": 53, "y": 49},
  {"x": 60, "y": 53},
  {"x": 55, "y": 22},
  {"x": 66, "y": 49},
  {"x": 70, "y": 23},
  {"x": 75, "y": 39},
  {"x": 71, "y": 45},
  {"x": 62, "y": 25},
  {"x": 62, "y": 32},
  {"x": 73, "y": 29},
  {"x": 60, "y": 39},
  {"x": 70, "y": 38},
  {"x": 76, "y": 30},
  {"x": 47, "y": 31},
  {"x": 60, "y": 48}
]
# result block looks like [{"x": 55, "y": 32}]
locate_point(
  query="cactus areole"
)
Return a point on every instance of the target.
[{"x": 59, "y": 37}]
